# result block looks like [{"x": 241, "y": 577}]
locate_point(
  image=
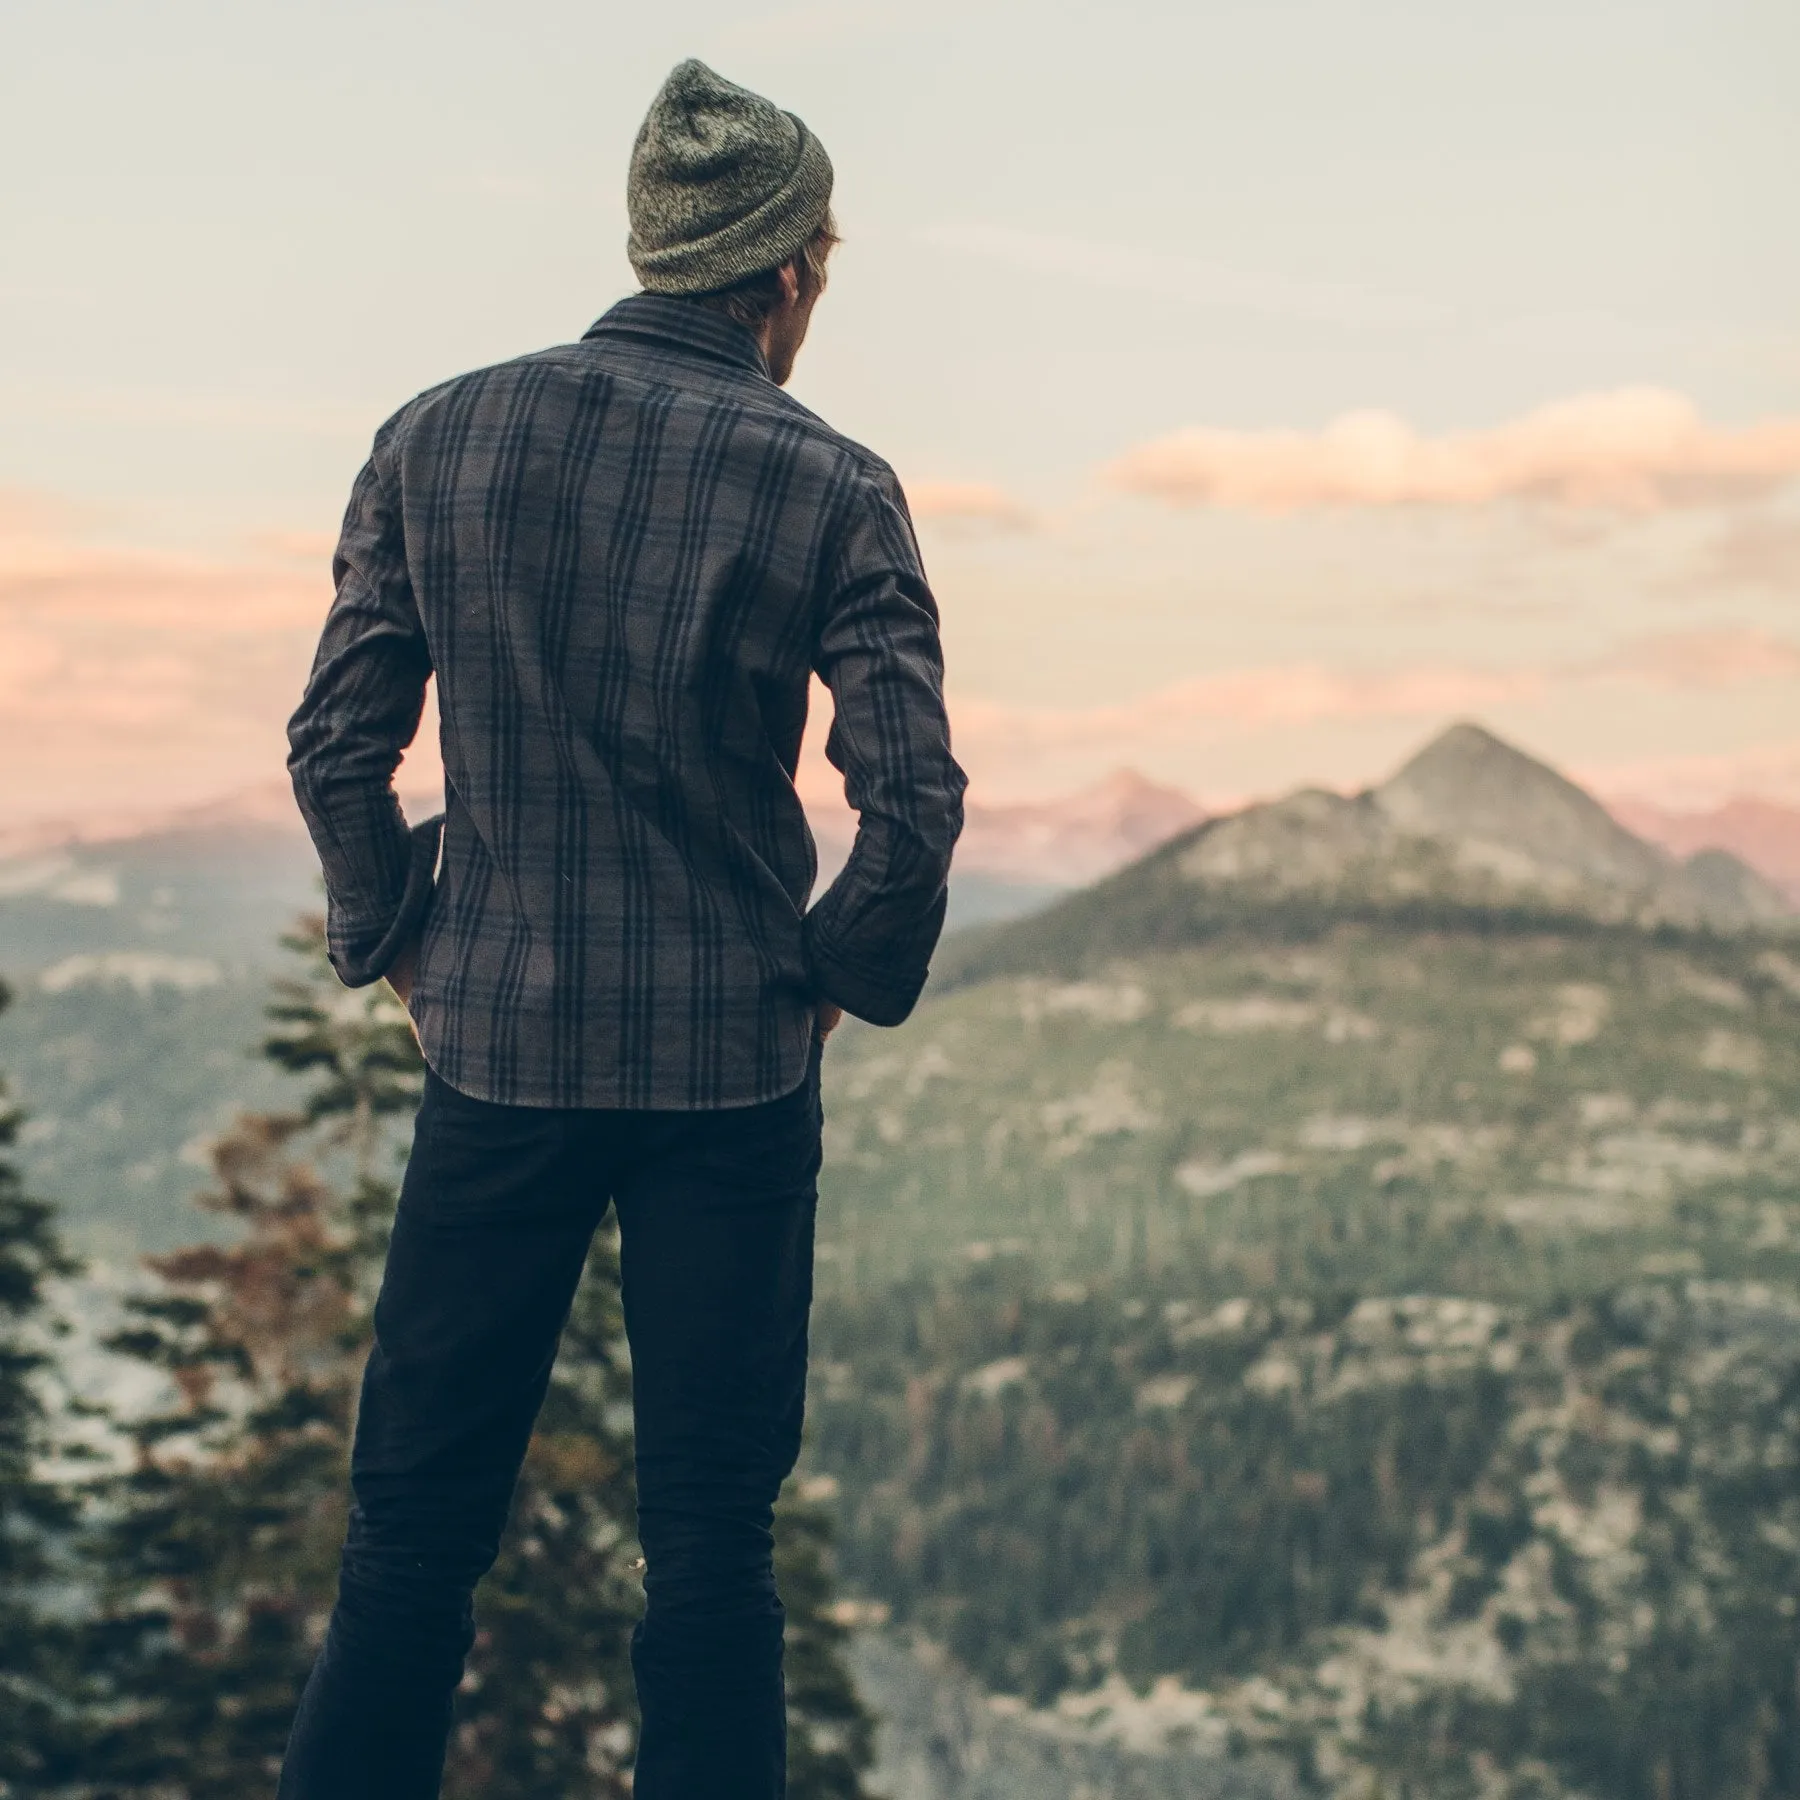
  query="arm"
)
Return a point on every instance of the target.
[
  {"x": 869, "y": 938},
  {"x": 360, "y": 711}
]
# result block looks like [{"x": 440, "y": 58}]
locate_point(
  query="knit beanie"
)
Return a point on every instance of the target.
[{"x": 723, "y": 185}]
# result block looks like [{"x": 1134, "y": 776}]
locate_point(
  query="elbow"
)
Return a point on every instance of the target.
[{"x": 876, "y": 971}]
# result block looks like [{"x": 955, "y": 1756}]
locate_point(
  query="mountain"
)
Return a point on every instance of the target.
[
  {"x": 127, "y": 943},
  {"x": 268, "y": 805},
  {"x": 1514, "y": 817},
  {"x": 141, "y": 947},
  {"x": 218, "y": 881},
  {"x": 1075, "y": 840},
  {"x": 1470, "y": 820},
  {"x": 1469, "y": 828},
  {"x": 1013, "y": 856},
  {"x": 1332, "y": 1291},
  {"x": 1318, "y": 1311},
  {"x": 217, "y": 892},
  {"x": 1760, "y": 832}
]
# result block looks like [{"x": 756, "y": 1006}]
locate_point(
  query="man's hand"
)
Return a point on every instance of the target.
[
  {"x": 402, "y": 970},
  {"x": 829, "y": 1017}
]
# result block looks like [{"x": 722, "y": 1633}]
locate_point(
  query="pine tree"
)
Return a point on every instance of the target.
[
  {"x": 220, "y": 1542},
  {"x": 34, "y": 1515},
  {"x": 831, "y": 1735},
  {"x": 221, "y": 1552}
]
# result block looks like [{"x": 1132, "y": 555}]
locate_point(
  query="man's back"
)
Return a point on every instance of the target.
[{"x": 624, "y": 558}]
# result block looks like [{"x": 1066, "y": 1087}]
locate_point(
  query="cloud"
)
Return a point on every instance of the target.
[
  {"x": 58, "y": 579},
  {"x": 999, "y": 741},
  {"x": 815, "y": 22},
  {"x": 1189, "y": 279},
  {"x": 1213, "y": 709},
  {"x": 1760, "y": 551},
  {"x": 27, "y": 513},
  {"x": 1705, "y": 659},
  {"x": 1634, "y": 450},
  {"x": 313, "y": 547},
  {"x": 968, "y": 503},
  {"x": 1698, "y": 781},
  {"x": 224, "y": 410},
  {"x": 1205, "y": 709},
  {"x": 132, "y": 676}
]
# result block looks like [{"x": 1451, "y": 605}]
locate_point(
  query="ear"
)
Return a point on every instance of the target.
[{"x": 789, "y": 277}]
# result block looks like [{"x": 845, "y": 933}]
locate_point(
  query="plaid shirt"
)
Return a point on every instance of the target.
[{"x": 623, "y": 559}]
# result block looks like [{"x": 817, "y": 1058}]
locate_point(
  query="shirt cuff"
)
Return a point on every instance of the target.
[
  {"x": 361, "y": 970},
  {"x": 881, "y": 993}
]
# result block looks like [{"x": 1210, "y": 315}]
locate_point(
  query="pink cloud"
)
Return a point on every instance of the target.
[
  {"x": 1758, "y": 550},
  {"x": 1701, "y": 780},
  {"x": 967, "y": 503},
  {"x": 1004, "y": 743},
  {"x": 49, "y": 575},
  {"x": 130, "y": 676},
  {"x": 1211, "y": 707},
  {"x": 313, "y": 547},
  {"x": 999, "y": 740},
  {"x": 1706, "y": 659},
  {"x": 1632, "y": 450}
]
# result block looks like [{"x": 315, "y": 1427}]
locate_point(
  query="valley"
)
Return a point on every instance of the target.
[{"x": 1317, "y": 1310}]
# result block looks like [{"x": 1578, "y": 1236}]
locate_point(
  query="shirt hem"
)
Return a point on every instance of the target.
[{"x": 444, "y": 1068}]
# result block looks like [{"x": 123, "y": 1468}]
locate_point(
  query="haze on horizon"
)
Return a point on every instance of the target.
[{"x": 1272, "y": 385}]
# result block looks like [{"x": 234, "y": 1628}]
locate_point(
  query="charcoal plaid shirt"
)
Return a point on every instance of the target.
[{"x": 623, "y": 559}]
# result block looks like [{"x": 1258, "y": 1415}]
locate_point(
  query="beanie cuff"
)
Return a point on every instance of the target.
[{"x": 762, "y": 239}]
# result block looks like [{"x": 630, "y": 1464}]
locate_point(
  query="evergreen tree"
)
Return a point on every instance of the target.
[
  {"x": 222, "y": 1550},
  {"x": 220, "y": 1542},
  {"x": 34, "y": 1514},
  {"x": 831, "y": 1734}
]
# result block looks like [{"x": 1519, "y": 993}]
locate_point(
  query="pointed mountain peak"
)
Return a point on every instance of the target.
[
  {"x": 1127, "y": 787},
  {"x": 1466, "y": 757},
  {"x": 1076, "y": 838},
  {"x": 1510, "y": 811},
  {"x": 1141, "y": 810}
]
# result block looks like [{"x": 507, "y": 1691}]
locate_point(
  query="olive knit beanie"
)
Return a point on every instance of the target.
[{"x": 723, "y": 185}]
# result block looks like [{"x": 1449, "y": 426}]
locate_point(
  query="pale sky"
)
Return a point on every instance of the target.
[{"x": 1274, "y": 382}]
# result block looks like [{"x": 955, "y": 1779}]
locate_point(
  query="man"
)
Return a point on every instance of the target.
[{"x": 623, "y": 559}]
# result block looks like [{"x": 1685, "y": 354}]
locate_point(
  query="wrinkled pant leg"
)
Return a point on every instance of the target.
[
  {"x": 495, "y": 1216},
  {"x": 716, "y": 1240}
]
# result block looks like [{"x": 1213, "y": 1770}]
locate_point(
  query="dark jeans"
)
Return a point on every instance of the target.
[{"x": 499, "y": 1203}]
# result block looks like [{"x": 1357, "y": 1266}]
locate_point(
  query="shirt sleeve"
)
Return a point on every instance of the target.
[
  {"x": 870, "y": 936},
  {"x": 361, "y": 709}
]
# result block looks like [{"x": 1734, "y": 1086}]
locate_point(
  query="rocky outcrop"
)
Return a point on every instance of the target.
[
  {"x": 1472, "y": 820},
  {"x": 942, "y": 1738}
]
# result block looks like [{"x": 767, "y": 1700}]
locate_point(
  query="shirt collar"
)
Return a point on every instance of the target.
[{"x": 683, "y": 324}]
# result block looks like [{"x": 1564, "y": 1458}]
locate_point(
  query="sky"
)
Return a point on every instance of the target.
[{"x": 1273, "y": 382}]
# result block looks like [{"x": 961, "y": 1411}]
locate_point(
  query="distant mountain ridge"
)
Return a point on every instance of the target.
[
  {"x": 1470, "y": 818},
  {"x": 266, "y": 808},
  {"x": 1469, "y": 827},
  {"x": 1064, "y": 842},
  {"x": 1078, "y": 837},
  {"x": 1762, "y": 833},
  {"x": 1407, "y": 1068}
]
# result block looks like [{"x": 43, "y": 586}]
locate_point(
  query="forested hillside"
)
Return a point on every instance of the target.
[
  {"x": 1342, "y": 1315},
  {"x": 1319, "y": 1310},
  {"x": 139, "y": 967}
]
